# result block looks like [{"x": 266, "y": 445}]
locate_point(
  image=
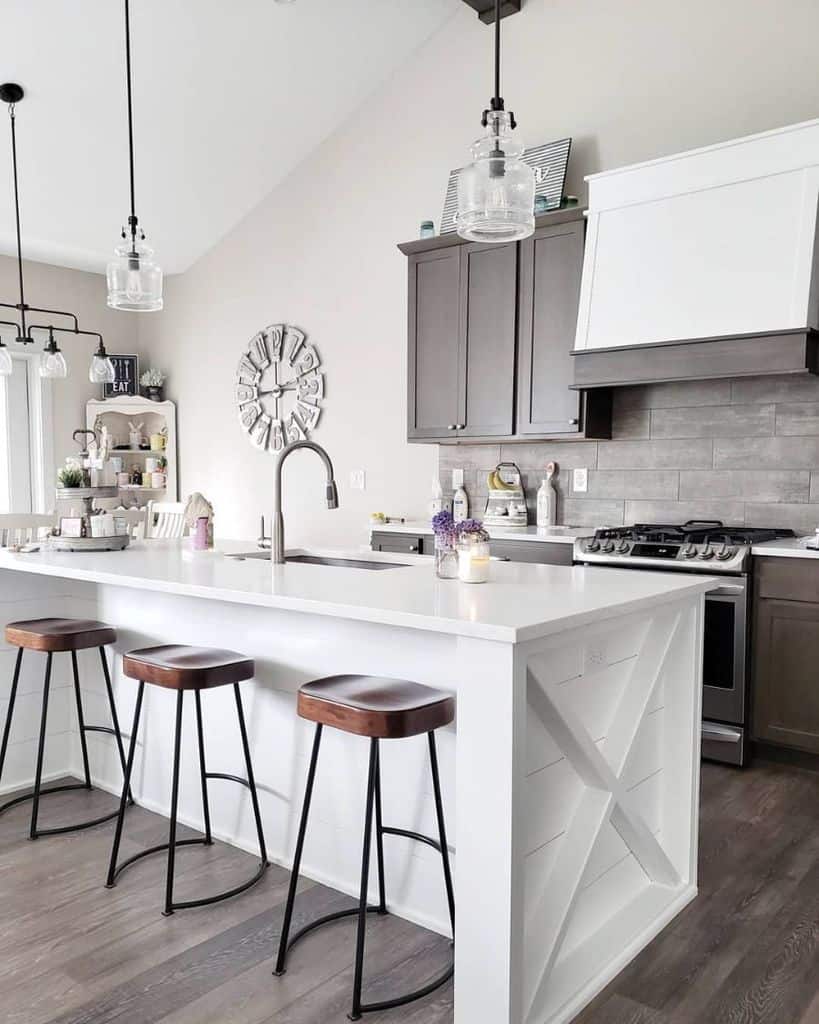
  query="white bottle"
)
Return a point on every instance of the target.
[
  {"x": 547, "y": 498},
  {"x": 437, "y": 502},
  {"x": 460, "y": 502}
]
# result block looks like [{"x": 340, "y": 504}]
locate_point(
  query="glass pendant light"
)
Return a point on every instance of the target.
[
  {"x": 52, "y": 362},
  {"x": 102, "y": 369},
  {"x": 134, "y": 277},
  {"x": 6, "y": 369},
  {"x": 496, "y": 192}
]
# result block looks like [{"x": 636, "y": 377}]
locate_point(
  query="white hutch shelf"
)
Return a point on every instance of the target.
[{"x": 116, "y": 413}]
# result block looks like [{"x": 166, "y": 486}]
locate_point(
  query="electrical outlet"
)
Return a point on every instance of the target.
[
  {"x": 595, "y": 655},
  {"x": 580, "y": 480},
  {"x": 358, "y": 480}
]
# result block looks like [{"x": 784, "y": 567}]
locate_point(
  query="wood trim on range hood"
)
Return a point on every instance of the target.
[{"x": 739, "y": 355}]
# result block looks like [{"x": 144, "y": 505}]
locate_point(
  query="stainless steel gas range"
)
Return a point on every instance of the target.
[{"x": 711, "y": 548}]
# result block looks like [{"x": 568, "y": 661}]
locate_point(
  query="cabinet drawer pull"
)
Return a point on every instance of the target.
[
  {"x": 460, "y": 426},
  {"x": 413, "y": 547},
  {"x": 451, "y": 426},
  {"x": 573, "y": 423}
]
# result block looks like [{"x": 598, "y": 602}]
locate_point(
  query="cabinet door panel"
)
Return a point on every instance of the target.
[
  {"x": 488, "y": 328},
  {"x": 550, "y": 271},
  {"x": 542, "y": 552},
  {"x": 433, "y": 368},
  {"x": 786, "y": 682}
]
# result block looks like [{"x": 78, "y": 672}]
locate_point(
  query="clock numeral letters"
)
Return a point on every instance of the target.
[
  {"x": 258, "y": 351},
  {"x": 277, "y": 440},
  {"x": 248, "y": 415},
  {"x": 295, "y": 431},
  {"x": 247, "y": 373},
  {"x": 295, "y": 340},
  {"x": 246, "y": 393},
  {"x": 260, "y": 432},
  {"x": 308, "y": 414},
  {"x": 275, "y": 336},
  {"x": 312, "y": 388},
  {"x": 308, "y": 360}
]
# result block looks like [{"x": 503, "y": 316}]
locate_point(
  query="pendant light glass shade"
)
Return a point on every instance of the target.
[
  {"x": 6, "y": 369},
  {"x": 134, "y": 279},
  {"x": 496, "y": 193},
  {"x": 102, "y": 370},
  {"x": 52, "y": 363}
]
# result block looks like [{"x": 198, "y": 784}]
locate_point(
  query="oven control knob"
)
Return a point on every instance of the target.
[
  {"x": 623, "y": 547},
  {"x": 608, "y": 547},
  {"x": 725, "y": 553},
  {"x": 707, "y": 552},
  {"x": 592, "y": 545},
  {"x": 689, "y": 551}
]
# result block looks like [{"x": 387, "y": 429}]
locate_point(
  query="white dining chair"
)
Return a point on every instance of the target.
[
  {"x": 136, "y": 518},
  {"x": 24, "y": 527},
  {"x": 165, "y": 520}
]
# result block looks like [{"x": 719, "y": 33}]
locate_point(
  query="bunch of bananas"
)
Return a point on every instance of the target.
[{"x": 497, "y": 484}]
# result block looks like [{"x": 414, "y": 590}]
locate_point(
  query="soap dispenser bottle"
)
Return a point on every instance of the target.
[
  {"x": 547, "y": 497},
  {"x": 460, "y": 502}
]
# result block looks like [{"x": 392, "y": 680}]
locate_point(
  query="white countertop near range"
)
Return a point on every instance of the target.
[
  {"x": 787, "y": 547},
  {"x": 521, "y": 602},
  {"x": 552, "y": 534}
]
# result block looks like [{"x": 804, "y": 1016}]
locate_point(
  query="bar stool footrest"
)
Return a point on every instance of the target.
[{"x": 63, "y": 829}]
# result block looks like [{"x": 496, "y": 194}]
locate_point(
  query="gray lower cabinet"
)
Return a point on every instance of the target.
[
  {"x": 785, "y": 694},
  {"x": 544, "y": 552}
]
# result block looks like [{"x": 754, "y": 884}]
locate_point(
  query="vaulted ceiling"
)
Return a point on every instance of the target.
[{"x": 229, "y": 98}]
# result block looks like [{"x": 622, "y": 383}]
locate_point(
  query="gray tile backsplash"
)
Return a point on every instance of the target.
[{"x": 744, "y": 451}]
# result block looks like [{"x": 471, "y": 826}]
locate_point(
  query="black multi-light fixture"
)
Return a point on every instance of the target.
[
  {"x": 496, "y": 192},
  {"x": 52, "y": 360},
  {"x": 134, "y": 276}
]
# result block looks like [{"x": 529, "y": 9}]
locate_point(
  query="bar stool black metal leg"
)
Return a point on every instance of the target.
[
  {"x": 81, "y": 720},
  {"x": 35, "y": 807},
  {"x": 251, "y": 779},
  {"x": 379, "y": 838},
  {"x": 294, "y": 875},
  {"x": 114, "y": 717},
  {"x": 355, "y": 1014},
  {"x": 202, "y": 769},
  {"x": 126, "y": 786},
  {"x": 10, "y": 711},
  {"x": 439, "y": 812},
  {"x": 177, "y": 749}
]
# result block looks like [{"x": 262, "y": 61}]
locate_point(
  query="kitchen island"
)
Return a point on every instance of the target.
[{"x": 571, "y": 778}]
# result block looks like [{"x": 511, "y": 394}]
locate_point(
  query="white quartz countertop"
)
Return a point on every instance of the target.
[
  {"x": 521, "y": 602},
  {"x": 788, "y": 547},
  {"x": 552, "y": 534}
]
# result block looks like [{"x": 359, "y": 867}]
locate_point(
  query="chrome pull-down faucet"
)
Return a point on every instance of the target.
[{"x": 331, "y": 494}]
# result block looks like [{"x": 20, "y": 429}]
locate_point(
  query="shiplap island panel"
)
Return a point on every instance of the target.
[{"x": 571, "y": 778}]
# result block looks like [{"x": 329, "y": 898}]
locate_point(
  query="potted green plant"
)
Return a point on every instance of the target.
[
  {"x": 153, "y": 382},
  {"x": 71, "y": 476}
]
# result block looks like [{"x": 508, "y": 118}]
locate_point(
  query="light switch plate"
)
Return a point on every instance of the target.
[
  {"x": 358, "y": 479},
  {"x": 580, "y": 480},
  {"x": 457, "y": 479}
]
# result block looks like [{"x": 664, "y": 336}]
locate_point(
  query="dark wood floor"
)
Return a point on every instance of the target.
[{"x": 745, "y": 952}]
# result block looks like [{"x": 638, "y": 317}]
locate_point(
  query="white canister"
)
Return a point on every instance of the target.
[
  {"x": 116, "y": 463},
  {"x": 158, "y": 480},
  {"x": 151, "y": 465}
]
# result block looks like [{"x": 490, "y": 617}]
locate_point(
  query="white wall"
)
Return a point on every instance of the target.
[
  {"x": 83, "y": 294},
  {"x": 628, "y": 81}
]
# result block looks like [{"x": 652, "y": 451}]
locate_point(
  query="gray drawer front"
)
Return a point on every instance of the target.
[
  {"x": 402, "y": 543},
  {"x": 544, "y": 552}
]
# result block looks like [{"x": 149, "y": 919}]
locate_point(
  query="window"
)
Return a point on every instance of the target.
[{"x": 26, "y": 461}]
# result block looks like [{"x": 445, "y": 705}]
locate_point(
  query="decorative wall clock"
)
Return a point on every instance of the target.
[{"x": 279, "y": 387}]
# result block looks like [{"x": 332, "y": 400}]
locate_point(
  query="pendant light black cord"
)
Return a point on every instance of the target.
[
  {"x": 132, "y": 220},
  {"x": 497, "y": 102},
  {"x": 23, "y": 332}
]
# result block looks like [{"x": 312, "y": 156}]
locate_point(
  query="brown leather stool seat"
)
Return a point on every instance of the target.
[
  {"x": 182, "y": 668},
  {"x": 375, "y": 707},
  {"x": 178, "y": 667},
  {"x": 381, "y": 709},
  {"x": 60, "y": 634}
]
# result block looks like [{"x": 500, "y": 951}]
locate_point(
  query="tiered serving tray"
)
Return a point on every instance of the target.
[{"x": 87, "y": 496}]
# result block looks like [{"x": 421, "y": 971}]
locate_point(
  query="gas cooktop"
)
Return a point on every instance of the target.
[{"x": 698, "y": 546}]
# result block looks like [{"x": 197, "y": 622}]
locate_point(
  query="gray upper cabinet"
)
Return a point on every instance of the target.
[
  {"x": 551, "y": 262},
  {"x": 434, "y": 365},
  {"x": 491, "y": 331},
  {"x": 488, "y": 327}
]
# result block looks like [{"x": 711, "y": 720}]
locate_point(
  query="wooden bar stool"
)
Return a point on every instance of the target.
[
  {"x": 53, "y": 636},
  {"x": 379, "y": 709},
  {"x": 181, "y": 668}
]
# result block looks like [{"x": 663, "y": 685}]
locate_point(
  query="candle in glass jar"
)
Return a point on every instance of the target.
[{"x": 473, "y": 562}]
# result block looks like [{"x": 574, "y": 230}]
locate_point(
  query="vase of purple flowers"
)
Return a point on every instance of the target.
[{"x": 446, "y": 539}]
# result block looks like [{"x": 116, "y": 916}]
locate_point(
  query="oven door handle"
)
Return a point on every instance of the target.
[
  {"x": 720, "y": 733},
  {"x": 726, "y": 589}
]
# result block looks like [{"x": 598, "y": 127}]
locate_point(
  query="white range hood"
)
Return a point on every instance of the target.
[{"x": 703, "y": 263}]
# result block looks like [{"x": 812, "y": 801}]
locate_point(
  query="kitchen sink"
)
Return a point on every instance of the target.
[{"x": 343, "y": 563}]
